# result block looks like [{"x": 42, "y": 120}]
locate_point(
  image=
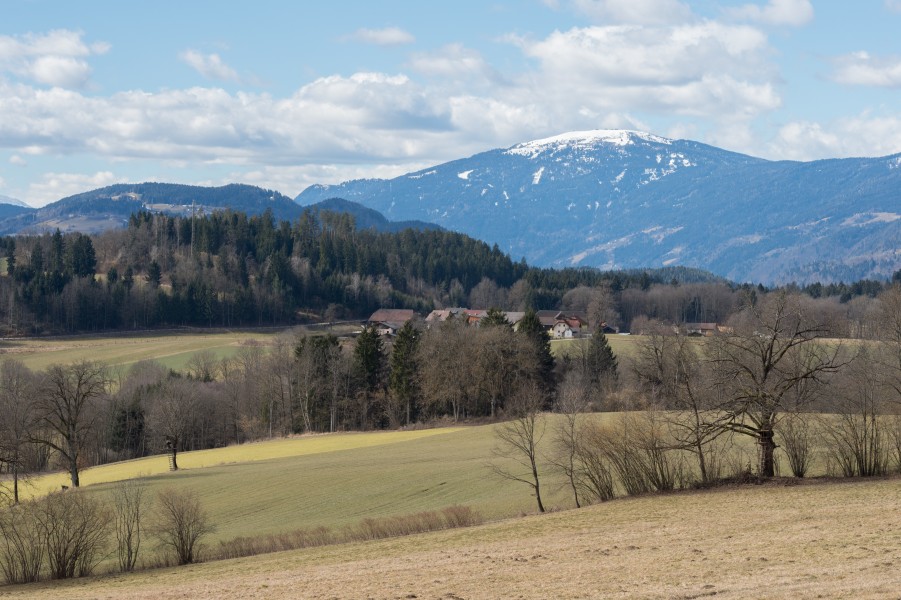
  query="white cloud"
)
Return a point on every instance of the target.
[
  {"x": 54, "y": 186},
  {"x": 776, "y": 12},
  {"x": 603, "y": 76},
  {"x": 453, "y": 61},
  {"x": 388, "y": 36},
  {"x": 210, "y": 66},
  {"x": 704, "y": 69},
  {"x": 863, "y": 135},
  {"x": 291, "y": 180},
  {"x": 860, "y": 68},
  {"x": 647, "y": 12},
  {"x": 56, "y": 58},
  {"x": 17, "y": 160},
  {"x": 893, "y": 5}
]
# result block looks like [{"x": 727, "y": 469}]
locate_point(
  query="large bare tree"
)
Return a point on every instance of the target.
[
  {"x": 766, "y": 365},
  {"x": 18, "y": 418},
  {"x": 66, "y": 405}
]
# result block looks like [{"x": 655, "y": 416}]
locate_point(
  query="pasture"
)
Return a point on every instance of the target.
[
  {"x": 825, "y": 540},
  {"x": 173, "y": 348},
  {"x": 622, "y": 345},
  {"x": 330, "y": 480}
]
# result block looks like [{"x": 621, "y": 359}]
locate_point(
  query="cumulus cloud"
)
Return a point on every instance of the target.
[
  {"x": 776, "y": 12},
  {"x": 859, "y": 68},
  {"x": 54, "y": 186},
  {"x": 697, "y": 69},
  {"x": 56, "y": 58},
  {"x": 210, "y": 66},
  {"x": 339, "y": 127},
  {"x": 388, "y": 36},
  {"x": 454, "y": 62},
  {"x": 17, "y": 160},
  {"x": 647, "y": 12},
  {"x": 863, "y": 135}
]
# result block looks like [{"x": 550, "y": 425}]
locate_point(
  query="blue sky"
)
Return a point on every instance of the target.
[{"x": 286, "y": 94}]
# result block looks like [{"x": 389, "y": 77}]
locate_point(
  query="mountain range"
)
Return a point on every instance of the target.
[
  {"x": 610, "y": 199},
  {"x": 628, "y": 199},
  {"x": 111, "y": 206}
]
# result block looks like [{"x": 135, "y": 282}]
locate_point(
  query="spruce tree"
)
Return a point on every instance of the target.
[
  {"x": 602, "y": 365},
  {"x": 401, "y": 382}
]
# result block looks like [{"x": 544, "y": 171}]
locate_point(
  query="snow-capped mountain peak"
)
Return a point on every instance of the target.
[
  {"x": 12, "y": 201},
  {"x": 584, "y": 140}
]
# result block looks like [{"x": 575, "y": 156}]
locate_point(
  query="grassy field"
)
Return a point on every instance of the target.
[
  {"x": 827, "y": 540},
  {"x": 172, "y": 349},
  {"x": 622, "y": 345},
  {"x": 331, "y": 480}
]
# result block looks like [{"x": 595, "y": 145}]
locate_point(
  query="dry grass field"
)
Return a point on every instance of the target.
[
  {"x": 172, "y": 349},
  {"x": 822, "y": 540},
  {"x": 623, "y": 346}
]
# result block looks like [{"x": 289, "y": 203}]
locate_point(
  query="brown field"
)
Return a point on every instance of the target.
[{"x": 814, "y": 540}]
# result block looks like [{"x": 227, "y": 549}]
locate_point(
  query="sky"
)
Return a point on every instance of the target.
[{"x": 285, "y": 94}]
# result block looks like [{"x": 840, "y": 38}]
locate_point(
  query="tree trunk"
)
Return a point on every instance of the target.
[
  {"x": 73, "y": 471},
  {"x": 767, "y": 448},
  {"x": 537, "y": 488}
]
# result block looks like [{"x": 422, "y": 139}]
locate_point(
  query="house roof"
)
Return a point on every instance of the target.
[{"x": 392, "y": 315}]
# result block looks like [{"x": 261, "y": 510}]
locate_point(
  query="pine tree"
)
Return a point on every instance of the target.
[
  {"x": 401, "y": 382},
  {"x": 369, "y": 363},
  {"x": 602, "y": 364},
  {"x": 495, "y": 316},
  {"x": 531, "y": 326}
]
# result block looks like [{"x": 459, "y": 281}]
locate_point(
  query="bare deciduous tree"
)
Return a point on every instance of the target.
[
  {"x": 773, "y": 353},
  {"x": 670, "y": 368},
  {"x": 516, "y": 453},
  {"x": 18, "y": 419},
  {"x": 66, "y": 408}
]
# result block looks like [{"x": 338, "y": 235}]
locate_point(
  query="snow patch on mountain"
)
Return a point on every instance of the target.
[
  {"x": 658, "y": 233},
  {"x": 465, "y": 174},
  {"x": 536, "y": 176},
  {"x": 862, "y": 219},
  {"x": 583, "y": 140}
]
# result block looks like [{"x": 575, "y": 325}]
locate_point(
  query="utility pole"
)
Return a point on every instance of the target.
[{"x": 193, "y": 228}]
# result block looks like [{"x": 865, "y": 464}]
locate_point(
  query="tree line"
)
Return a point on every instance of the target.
[
  {"x": 228, "y": 269},
  {"x": 775, "y": 376}
]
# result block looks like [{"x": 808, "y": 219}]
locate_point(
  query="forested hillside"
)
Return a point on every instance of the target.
[{"x": 228, "y": 269}]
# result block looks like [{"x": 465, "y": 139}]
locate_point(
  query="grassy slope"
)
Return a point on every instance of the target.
[
  {"x": 172, "y": 349},
  {"x": 332, "y": 480},
  {"x": 828, "y": 541}
]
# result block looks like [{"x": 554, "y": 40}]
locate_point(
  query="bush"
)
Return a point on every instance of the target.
[
  {"x": 181, "y": 524},
  {"x": 797, "y": 443},
  {"x": 21, "y": 547},
  {"x": 73, "y": 527},
  {"x": 129, "y": 505}
]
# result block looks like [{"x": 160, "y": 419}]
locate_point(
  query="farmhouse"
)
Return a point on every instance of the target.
[
  {"x": 560, "y": 325},
  {"x": 387, "y": 321}
]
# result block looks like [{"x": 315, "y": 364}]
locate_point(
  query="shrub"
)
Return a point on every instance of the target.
[
  {"x": 73, "y": 527},
  {"x": 181, "y": 523},
  {"x": 21, "y": 546}
]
